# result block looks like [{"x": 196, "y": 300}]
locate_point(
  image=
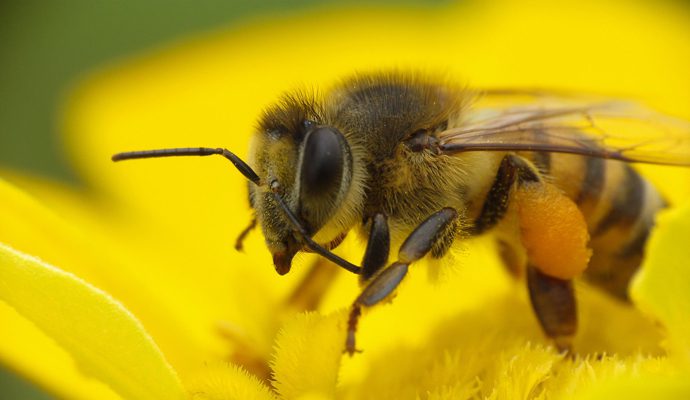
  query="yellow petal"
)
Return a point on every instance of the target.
[
  {"x": 522, "y": 375},
  {"x": 579, "y": 377},
  {"x": 82, "y": 237},
  {"x": 641, "y": 388},
  {"x": 314, "y": 396},
  {"x": 31, "y": 353},
  {"x": 179, "y": 289},
  {"x": 662, "y": 289},
  {"x": 106, "y": 341},
  {"x": 307, "y": 355},
  {"x": 227, "y": 382}
]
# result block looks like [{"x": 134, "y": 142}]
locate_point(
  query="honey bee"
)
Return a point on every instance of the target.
[{"x": 417, "y": 162}]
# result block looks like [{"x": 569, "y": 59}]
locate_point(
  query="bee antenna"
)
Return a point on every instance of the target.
[{"x": 241, "y": 166}]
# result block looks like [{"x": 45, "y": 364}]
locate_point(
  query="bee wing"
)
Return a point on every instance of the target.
[{"x": 546, "y": 123}]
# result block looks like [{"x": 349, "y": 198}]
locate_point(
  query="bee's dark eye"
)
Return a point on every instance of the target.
[
  {"x": 322, "y": 162},
  {"x": 307, "y": 124}
]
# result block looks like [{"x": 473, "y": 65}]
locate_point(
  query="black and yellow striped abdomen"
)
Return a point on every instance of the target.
[{"x": 619, "y": 207}]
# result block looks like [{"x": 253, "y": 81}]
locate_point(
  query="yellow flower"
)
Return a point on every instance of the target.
[{"x": 132, "y": 289}]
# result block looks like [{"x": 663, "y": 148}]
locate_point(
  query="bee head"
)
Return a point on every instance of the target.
[
  {"x": 309, "y": 164},
  {"x": 308, "y": 186}
]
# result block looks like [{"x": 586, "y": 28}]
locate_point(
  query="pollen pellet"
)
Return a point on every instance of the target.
[{"x": 553, "y": 231}]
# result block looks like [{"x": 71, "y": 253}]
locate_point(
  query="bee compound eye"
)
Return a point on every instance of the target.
[{"x": 322, "y": 161}]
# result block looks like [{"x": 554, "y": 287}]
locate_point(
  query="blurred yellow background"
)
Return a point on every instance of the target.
[{"x": 48, "y": 46}]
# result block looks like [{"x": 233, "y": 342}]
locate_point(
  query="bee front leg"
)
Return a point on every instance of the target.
[
  {"x": 425, "y": 237},
  {"x": 239, "y": 242}
]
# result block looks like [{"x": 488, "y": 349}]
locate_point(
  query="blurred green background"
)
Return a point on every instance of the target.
[{"x": 48, "y": 46}]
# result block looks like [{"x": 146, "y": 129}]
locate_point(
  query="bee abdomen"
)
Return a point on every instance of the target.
[
  {"x": 627, "y": 203},
  {"x": 619, "y": 206}
]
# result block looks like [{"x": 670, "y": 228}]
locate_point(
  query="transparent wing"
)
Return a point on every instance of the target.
[{"x": 517, "y": 120}]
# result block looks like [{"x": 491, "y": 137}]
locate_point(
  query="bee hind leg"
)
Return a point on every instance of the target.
[
  {"x": 553, "y": 301},
  {"x": 553, "y": 232},
  {"x": 382, "y": 285},
  {"x": 512, "y": 257}
]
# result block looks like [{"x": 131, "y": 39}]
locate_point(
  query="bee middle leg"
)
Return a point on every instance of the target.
[
  {"x": 311, "y": 289},
  {"x": 429, "y": 235}
]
